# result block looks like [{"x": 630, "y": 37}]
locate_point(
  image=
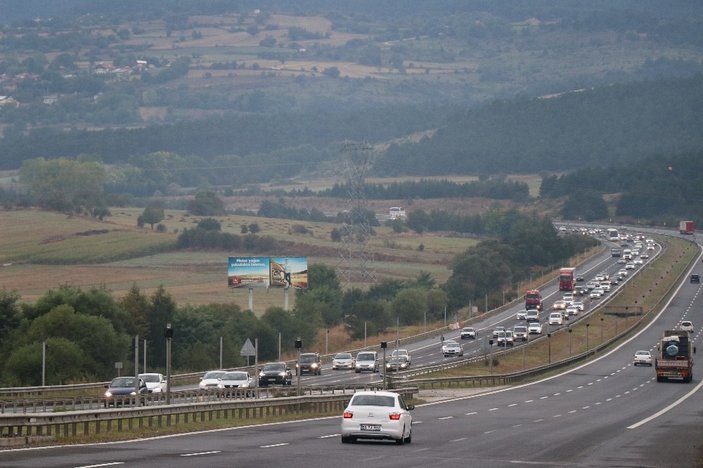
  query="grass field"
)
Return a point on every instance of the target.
[{"x": 41, "y": 250}]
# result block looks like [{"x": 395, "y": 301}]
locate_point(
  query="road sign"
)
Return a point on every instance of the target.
[{"x": 247, "y": 349}]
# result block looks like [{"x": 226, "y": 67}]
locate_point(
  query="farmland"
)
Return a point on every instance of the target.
[{"x": 40, "y": 250}]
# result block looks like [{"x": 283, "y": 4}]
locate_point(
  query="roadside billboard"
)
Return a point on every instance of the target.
[{"x": 275, "y": 272}]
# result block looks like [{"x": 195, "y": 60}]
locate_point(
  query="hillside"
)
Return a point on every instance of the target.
[{"x": 281, "y": 84}]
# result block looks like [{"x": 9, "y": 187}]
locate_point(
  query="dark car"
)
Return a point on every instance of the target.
[
  {"x": 275, "y": 373},
  {"x": 695, "y": 278},
  {"x": 397, "y": 363},
  {"x": 309, "y": 363},
  {"x": 122, "y": 389}
]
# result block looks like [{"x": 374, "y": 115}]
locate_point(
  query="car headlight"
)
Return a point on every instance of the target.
[
  {"x": 282, "y": 374},
  {"x": 133, "y": 393},
  {"x": 261, "y": 374},
  {"x": 108, "y": 394},
  {"x": 313, "y": 365}
]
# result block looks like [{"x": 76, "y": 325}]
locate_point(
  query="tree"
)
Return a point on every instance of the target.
[
  {"x": 65, "y": 184},
  {"x": 206, "y": 204},
  {"x": 152, "y": 214},
  {"x": 161, "y": 311},
  {"x": 410, "y": 306},
  {"x": 136, "y": 306}
]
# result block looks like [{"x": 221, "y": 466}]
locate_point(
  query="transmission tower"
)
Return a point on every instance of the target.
[{"x": 356, "y": 256}]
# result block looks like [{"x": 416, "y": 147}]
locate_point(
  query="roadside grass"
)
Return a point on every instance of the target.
[{"x": 635, "y": 305}]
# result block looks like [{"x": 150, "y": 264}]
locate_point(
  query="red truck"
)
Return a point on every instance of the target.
[
  {"x": 567, "y": 279},
  {"x": 687, "y": 227},
  {"x": 674, "y": 356},
  {"x": 533, "y": 299}
]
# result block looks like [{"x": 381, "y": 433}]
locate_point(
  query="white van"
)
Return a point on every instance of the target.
[{"x": 556, "y": 318}]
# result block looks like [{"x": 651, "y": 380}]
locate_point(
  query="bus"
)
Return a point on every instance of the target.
[
  {"x": 613, "y": 234},
  {"x": 567, "y": 279}
]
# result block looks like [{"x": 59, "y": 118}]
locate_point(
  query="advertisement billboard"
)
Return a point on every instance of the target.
[{"x": 275, "y": 272}]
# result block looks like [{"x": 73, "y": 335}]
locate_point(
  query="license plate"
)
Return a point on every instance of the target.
[{"x": 370, "y": 427}]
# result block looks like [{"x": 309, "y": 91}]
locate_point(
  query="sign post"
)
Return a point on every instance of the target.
[{"x": 248, "y": 350}]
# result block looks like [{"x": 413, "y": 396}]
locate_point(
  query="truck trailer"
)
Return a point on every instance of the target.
[
  {"x": 674, "y": 359},
  {"x": 687, "y": 228}
]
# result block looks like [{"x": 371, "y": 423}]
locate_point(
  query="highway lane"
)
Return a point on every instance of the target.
[{"x": 579, "y": 418}]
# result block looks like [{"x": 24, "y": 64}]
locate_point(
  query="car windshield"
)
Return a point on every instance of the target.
[
  {"x": 123, "y": 382},
  {"x": 279, "y": 366},
  {"x": 150, "y": 378},
  {"x": 309, "y": 358},
  {"x": 213, "y": 375},
  {"x": 642, "y": 353},
  {"x": 235, "y": 376},
  {"x": 365, "y": 357},
  {"x": 373, "y": 400},
  {"x": 343, "y": 356}
]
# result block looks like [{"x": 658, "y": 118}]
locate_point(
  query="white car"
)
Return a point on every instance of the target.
[
  {"x": 568, "y": 298},
  {"x": 642, "y": 357},
  {"x": 630, "y": 266},
  {"x": 155, "y": 383},
  {"x": 521, "y": 314},
  {"x": 623, "y": 272},
  {"x": 210, "y": 379},
  {"x": 377, "y": 415},
  {"x": 452, "y": 348},
  {"x": 596, "y": 293},
  {"x": 402, "y": 352},
  {"x": 686, "y": 325},
  {"x": 236, "y": 379},
  {"x": 366, "y": 361},
  {"x": 468, "y": 333},
  {"x": 572, "y": 311},
  {"x": 534, "y": 328},
  {"x": 520, "y": 333},
  {"x": 343, "y": 361},
  {"x": 559, "y": 305},
  {"x": 579, "y": 305},
  {"x": 497, "y": 330},
  {"x": 556, "y": 318}
]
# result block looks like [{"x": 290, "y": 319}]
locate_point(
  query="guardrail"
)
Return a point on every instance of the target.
[
  {"x": 16, "y": 430},
  {"x": 179, "y": 397}
]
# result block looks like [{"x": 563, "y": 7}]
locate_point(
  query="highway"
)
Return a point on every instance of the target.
[{"x": 603, "y": 413}]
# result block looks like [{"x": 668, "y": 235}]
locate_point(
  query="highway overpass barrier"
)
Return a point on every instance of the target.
[{"x": 23, "y": 429}]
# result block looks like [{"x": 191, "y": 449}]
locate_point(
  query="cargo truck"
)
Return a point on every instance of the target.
[
  {"x": 533, "y": 299},
  {"x": 674, "y": 359},
  {"x": 567, "y": 279},
  {"x": 687, "y": 227}
]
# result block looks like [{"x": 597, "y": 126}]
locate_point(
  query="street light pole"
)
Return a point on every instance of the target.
[
  {"x": 570, "y": 337},
  {"x": 168, "y": 333},
  {"x": 298, "y": 346},
  {"x": 549, "y": 342},
  {"x": 43, "y": 363},
  {"x": 384, "y": 345},
  {"x": 587, "y": 345},
  {"x": 601, "y": 329}
]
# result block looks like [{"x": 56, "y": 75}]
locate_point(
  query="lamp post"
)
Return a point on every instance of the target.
[
  {"x": 384, "y": 345},
  {"x": 570, "y": 337},
  {"x": 490, "y": 355},
  {"x": 168, "y": 334},
  {"x": 298, "y": 346},
  {"x": 43, "y": 363},
  {"x": 327, "y": 340},
  {"x": 587, "y": 345},
  {"x": 601, "y": 329},
  {"x": 549, "y": 347}
]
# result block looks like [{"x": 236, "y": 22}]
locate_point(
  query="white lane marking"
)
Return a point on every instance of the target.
[
  {"x": 572, "y": 411},
  {"x": 666, "y": 409},
  {"x": 471, "y": 413},
  {"x": 585, "y": 407},
  {"x": 102, "y": 464},
  {"x": 458, "y": 440},
  {"x": 557, "y": 416},
  {"x": 569, "y": 390},
  {"x": 445, "y": 417},
  {"x": 512, "y": 404},
  {"x": 274, "y": 445},
  {"x": 197, "y": 454},
  {"x": 493, "y": 409},
  {"x": 329, "y": 436},
  {"x": 537, "y": 420},
  {"x": 544, "y": 397},
  {"x": 529, "y": 401},
  {"x": 490, "y": 432}
]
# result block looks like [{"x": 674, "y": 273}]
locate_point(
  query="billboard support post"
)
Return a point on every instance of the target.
[
  {"x": 285, "y": 299},
  {"x": 251, "y": 299}
]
